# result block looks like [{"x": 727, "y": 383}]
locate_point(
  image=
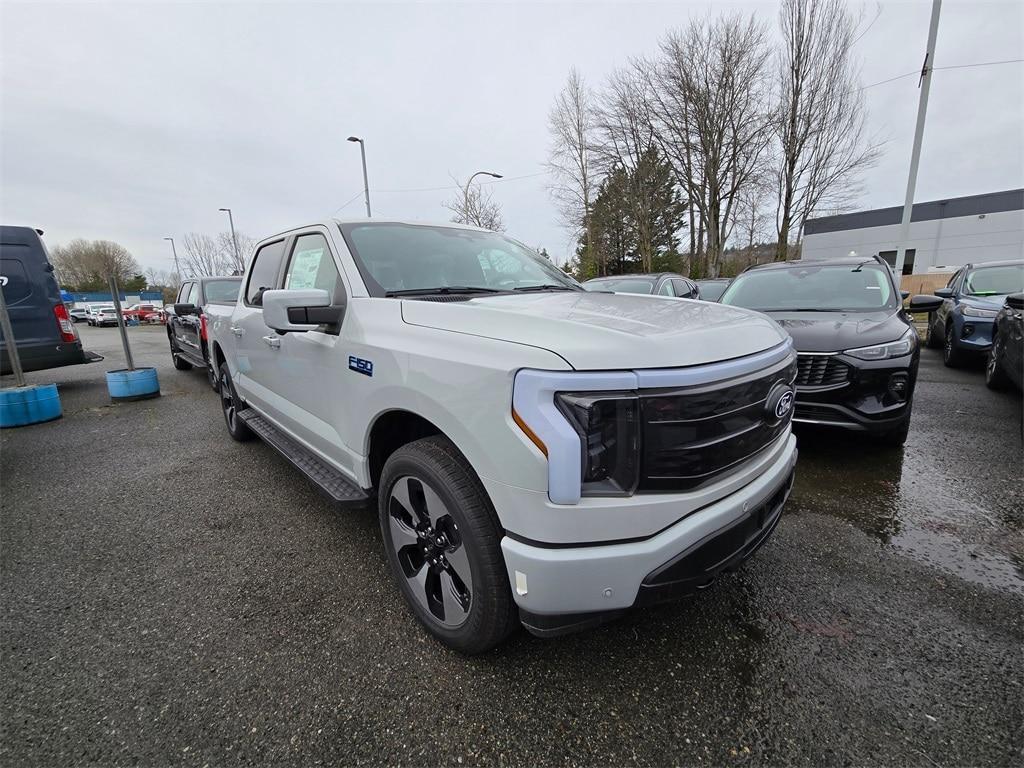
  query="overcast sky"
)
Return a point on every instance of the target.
[{"x": 131, "y": 122}]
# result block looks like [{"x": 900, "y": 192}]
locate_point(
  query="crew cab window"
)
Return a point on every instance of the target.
[
  {"x": 263, "y": 275},
  {"x": 666, "y": 289},
  {"x": 183, "y": 293},
  {"x": 193, "y": 294},
  {"x": 683, "y": 288},
  {"x": 311, "y": 265}
]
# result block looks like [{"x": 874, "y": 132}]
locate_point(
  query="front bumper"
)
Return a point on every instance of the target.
[
  {"x": 866, "y": 402},
  {"x": 973, "y": 334},
  {"x": 564, "y": 588}
]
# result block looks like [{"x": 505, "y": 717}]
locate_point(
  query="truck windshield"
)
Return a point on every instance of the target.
[
  {"x": 623, "y": 285},
  {"x": 818, "y": 287},
  {"x": 407, "y": 258},
  {"x": 995, "y": 281}
]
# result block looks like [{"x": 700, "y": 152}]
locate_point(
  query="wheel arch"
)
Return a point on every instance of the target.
[{"x": 390, "y": 430}]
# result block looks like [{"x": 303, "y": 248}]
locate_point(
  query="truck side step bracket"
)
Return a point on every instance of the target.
[{"x": 329, "y": 480}]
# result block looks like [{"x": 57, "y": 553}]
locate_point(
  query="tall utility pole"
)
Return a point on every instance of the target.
[
  {"x": 234, "y": 240},
  {"x": 366, "y": 183},
  {"x": 174, "y": 250},
  {"x": 915, "y": 154}
]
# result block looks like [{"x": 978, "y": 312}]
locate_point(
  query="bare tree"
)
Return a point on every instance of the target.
[
  {"x": 235, "y": 262},
  {"x": 475, "y": 206},
  {"x": 575, "y": 178},
  {"x": 87, "y": 265},
  {"x": 823, "y": 144},
  {"x": 203, "y": 255},
  {"x": 710, "y": 95}
]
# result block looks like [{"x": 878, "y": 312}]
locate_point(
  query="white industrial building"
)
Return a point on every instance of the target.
[{"x": 944, "y": 234}]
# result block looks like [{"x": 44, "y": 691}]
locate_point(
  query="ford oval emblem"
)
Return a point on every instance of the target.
[{"x": 779, "y": 403}]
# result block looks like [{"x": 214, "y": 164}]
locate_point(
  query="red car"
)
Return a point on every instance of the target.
[{"x": 144, "y": 313}]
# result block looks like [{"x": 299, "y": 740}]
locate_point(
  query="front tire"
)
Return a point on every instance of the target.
[
  {"x": 932, "y": 340},
  {"x": 952, "y": 356},
  {"x": 443, "y": 543},
  {"x": 230, "y": 406},
  {"x": 179, "y": 363},
  {"x": 995, "y": 374}
]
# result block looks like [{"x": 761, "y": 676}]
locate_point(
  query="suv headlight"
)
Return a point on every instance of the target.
[
  {"x": 904, "y": 346},
  {"x": 969, "y": 311},
  {"x": 608, "y": 424}
]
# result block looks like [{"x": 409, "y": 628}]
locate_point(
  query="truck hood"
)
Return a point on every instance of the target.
[{"x": 606, "y": 331}]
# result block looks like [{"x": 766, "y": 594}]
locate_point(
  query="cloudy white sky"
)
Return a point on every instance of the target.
[{"x": 132, "y": 122}]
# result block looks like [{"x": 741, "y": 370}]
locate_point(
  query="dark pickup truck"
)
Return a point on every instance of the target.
[{"x": 186, "y": 322}]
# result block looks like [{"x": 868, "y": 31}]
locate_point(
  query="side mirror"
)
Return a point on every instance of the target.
[
  {"x": 945, "y": 293},
  {"x": 300, "y": 310},
  {"x": 184, "y": 309},
  {"x": 925, "y": 303}
]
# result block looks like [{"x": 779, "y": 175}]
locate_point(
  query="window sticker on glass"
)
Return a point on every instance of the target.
[{"x": 304, "y": 268}]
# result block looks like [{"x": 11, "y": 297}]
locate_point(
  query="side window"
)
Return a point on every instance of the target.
[
  {"x": 683, "y": 289},
  {"x": 666, "y": 289},
  {"x": 953, "y": 280},
  {"x": 193, "y": 294},
  {"x": 183, "y": 293},
  {"x": 263, "y": 275},
  {"x": 311, "y": 265}
]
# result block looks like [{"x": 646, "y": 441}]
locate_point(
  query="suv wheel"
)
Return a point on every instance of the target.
[
  {"x": 951, "y": 356},
  {"x": 995, "y": 374},
  {"x": 443, "y": 545},
  {"x": 179, "y": 362},
  {"x": 231, "y": 405}
]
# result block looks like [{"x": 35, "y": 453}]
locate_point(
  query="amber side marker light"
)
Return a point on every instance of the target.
[{"x": 529, "y": 432}]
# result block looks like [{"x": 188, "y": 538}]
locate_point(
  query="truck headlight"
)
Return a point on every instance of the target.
[
  {"x": 904, "y": 346},
  {"x": 608, "y": 424},
  {"x": 969, "y": 311}
]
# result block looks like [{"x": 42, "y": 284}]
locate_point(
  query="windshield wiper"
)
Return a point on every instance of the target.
[
  {"x": 546, "y": 287},
  {"x": 444, "y": 289}
]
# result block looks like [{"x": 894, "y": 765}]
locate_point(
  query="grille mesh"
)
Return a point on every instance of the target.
[{"x": 820, "y": 371}]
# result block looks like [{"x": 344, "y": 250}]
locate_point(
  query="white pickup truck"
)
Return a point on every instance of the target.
[{"x": 538, "y": 454}]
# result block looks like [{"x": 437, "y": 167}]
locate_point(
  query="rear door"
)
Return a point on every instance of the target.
[
  {"x": 29, "y": 287},
  {"x": 256, "y": 345}
]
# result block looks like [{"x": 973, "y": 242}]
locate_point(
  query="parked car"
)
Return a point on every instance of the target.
[
  {"x": 44, "y": 332},
  {"x": 186, "y": 322},
  {"x": 962, "y": 326},
  {"x": 104, "y": 315},
  {"x": 857, "y": 349},
  {"x": 712, "y": 288},
  {"x": 1005, "y": 363},
  {"x": 659, "y": 284},
  {"x": 78, "y": 314},
  {"x": 92, "y": 312},
  {"x": 144, "y": 313},
  {"x": 538, "y": 454}
]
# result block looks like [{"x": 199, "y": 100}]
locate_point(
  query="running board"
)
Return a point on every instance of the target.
[{"x": 328, "y": 479}]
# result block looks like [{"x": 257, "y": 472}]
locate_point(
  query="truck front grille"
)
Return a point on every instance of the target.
[
  {"x": 820, "y": 371},
  {"x": 692, "y": 435}
]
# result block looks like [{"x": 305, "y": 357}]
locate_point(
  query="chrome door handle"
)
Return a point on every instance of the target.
[
  {"x": 237, "y": 331},
  {"x": 274, "y": 342}
]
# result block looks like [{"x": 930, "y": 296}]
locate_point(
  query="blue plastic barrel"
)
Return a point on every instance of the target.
[
  {"x": 29, "y": 405},
  {"x": 126, "y": 385}
]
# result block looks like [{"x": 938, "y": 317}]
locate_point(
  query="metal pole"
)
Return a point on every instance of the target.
[
  {"x": 366, "y": 182},
  {"x": 234, "y": 240},
  {"x": 12, "y": 347},
  {"x": 915, "y": 154},
  {"x": 120, "y": 323},
  {"x": 175, "y": 252},
  {"x": 465, "y": 192}
]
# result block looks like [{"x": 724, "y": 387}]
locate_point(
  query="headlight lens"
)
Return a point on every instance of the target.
[
  {"x": 608, "y": 424},
  {"x": 969, "y": 311},
  {"x": 899, "y": 348}
]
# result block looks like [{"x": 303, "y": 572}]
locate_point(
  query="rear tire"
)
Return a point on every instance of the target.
[
  {"x": 995, "y": 374},
  {"x": 230, "y": 406},
  {"x": 445, "y": 552}
]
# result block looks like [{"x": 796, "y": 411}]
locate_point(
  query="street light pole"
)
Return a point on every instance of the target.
[
  {"x": 465, "y": 191},
  {"x": 174, "y": 250},
  {"x": 366, "y": 183},
  {"x": 915, "y": 153},
  {"x": 234, "y": 240}
]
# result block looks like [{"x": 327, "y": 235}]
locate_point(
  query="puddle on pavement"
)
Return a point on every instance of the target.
[{"x": 905, "y": 500}]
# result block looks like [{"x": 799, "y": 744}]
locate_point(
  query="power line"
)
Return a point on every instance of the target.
[
  {"x": 948, "y": 66},
  {"x": 439, "y": 189}
]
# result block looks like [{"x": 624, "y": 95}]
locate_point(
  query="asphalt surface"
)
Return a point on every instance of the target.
[{"x": 172, "y": 597}]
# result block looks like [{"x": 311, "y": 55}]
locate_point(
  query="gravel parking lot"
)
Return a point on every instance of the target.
[{"x": 170, "y": 596}]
